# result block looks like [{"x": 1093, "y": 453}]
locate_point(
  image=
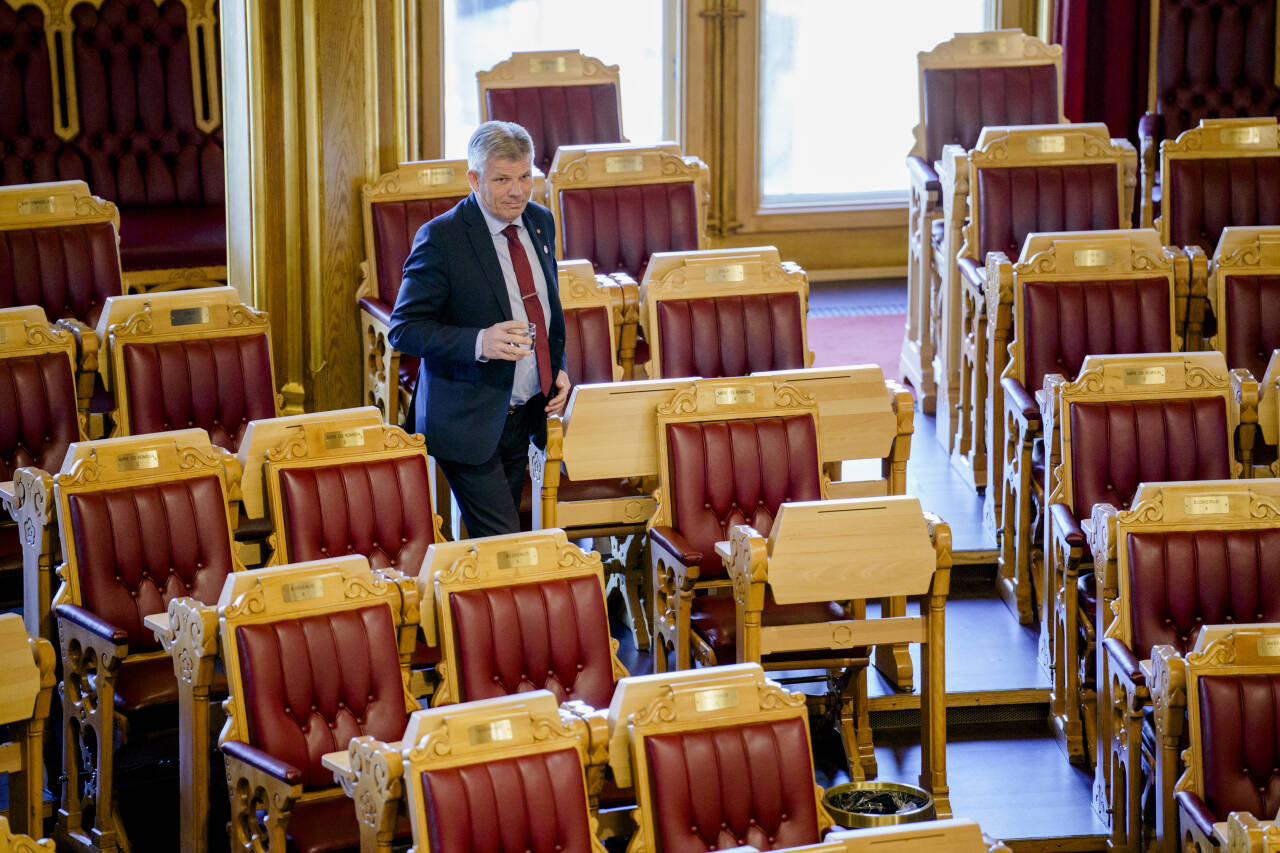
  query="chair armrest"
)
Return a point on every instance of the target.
[
  {"x": 86, "y": 343},
  {"x": 1192, "y": 810},
  {"x": 924, "y": 176},
  {"x": 1245, "y": 389},
  {"x": 1124, "y": 663},
  {"x": 191, "y": 638},
  {"x": 595, "y": 736},
  {"x": 1065, "y": 526},
  {"x": 375, "y": 782},
  {"x": 1019, "y": 402},
  {"x": 86, "y": 620},
  {"x": 973, "y": 273},
  {"x": 675, "y": 546},
  {"x": 264, "y": 762}
]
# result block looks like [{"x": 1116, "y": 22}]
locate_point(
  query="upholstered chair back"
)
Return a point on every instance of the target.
[
  {"x": 588, "y": 346},
  {"x": 559, "y": 115},
  {"x": 1015, "y": 202},
  {"x": 1207, "y": 195},
  {"x": 1240, "y": 750},
  {"x": 33, "y": 152},
  {"x": 38, "y": 417},
  {"x": 395, "y": 224},
  {"x": 617, "y": 228},
  {"x": 68, "y": 270},
  {"x": 732, "y": 335},
  {"x": 959, "y": 102},
  {"x": 1253, "y": 321}
]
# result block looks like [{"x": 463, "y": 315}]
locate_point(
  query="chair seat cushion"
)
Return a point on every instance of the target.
[
  {"x": 165, "y": 237},
  {"x": 425, "y": 655},
  {"x": 150, "y": 682},
  {"x": 327, "y": 826},
  {"x": 714, "y": 617}
]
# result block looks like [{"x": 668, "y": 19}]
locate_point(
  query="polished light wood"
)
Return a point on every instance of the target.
[
  {"x": 952, "y": 835},
  {"x": 26, "y": 689},
  {"x": 11, "y": 842}
]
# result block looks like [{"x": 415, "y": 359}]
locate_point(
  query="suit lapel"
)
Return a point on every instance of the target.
[
  {"x": 482, "y": 244},
  {"x": 542, "y": 243}
]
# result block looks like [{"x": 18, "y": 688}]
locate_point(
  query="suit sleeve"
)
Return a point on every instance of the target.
[{"x": 419, "y": 320}]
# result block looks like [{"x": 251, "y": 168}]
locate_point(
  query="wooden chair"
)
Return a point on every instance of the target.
[
  {"x": 315, "y": 654},
  {"x": 1185, "y": 556},
  {"x": 1046, "y": 312},
  {"x": 143, "y": 520},
  {"x": 952, "y": 835},
  {"x": 26, "y": 690},
  {"x": 1124, "y": 420},
  {"x": 1003, "y": 77},
  {"x": 560, "y": 96},
  {"x": 616, "y": 205},
  {"x": 20, "y": 843},
  {"x": 1015, "y": 181}
]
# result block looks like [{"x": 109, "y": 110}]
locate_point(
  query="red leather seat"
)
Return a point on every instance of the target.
[
  {"x": 589, "y": 358},
  {"x": 1012, "y": 203},
  {"x": 38, "y": 417},
  {"x": 173, "y": 236},
  {"x": 618, "y": 228},
  {"x": 559, "y": 115},
  {"x": 731, "y": 335},
  {"x": 715, "y": 619},
  {"x": 1253, "y": 317},
  {"x": 1207, "y": 195},
  {"x": 959, "y": 102},
  {"x": 68, "y": 270}
]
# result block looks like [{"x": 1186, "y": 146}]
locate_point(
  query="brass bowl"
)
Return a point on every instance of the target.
[{"x": 913, "y": 804}]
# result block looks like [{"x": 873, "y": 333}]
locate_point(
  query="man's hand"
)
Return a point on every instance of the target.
[
  {"x": 506, "y": 340},
  {"x": 555, "y": 406}
]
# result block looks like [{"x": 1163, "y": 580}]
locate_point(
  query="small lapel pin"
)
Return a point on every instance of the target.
[{"x": 544, "y": 250}]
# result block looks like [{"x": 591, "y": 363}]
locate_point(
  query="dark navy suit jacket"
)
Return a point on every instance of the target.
[{"x": 452, "y": 289}]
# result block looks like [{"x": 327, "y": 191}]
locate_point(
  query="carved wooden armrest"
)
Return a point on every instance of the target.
[
  {"x": 1125, "y": 667},
  {"x": 23, "y": 843},
  {"x": 85, "y": 625},
  {"x": 1047, "y": 397},
  {"x": 1168, "y": 684},
  {"x": 594, "y": 723},
  {"x": 973, "y": 276},
  {"x": 668, "y": 546},
  {"x": 1196, "y": 820},
  {"x": 1245, "y": 832},
  {"x": 924, "y": 180},
  {"x": 1019, "y": 404},
  {"x": 1067, "y": 530},
  {"x": 748, "y": 564},
  {"x": 1148, "y": 142},
  {"x": 1245, "y": 389},
  {"x": 86, "y": 347},
  {"x": 375, "y": 782},
  {"x": 191, "y": 637},
  {"x": 256, "y": 780}
]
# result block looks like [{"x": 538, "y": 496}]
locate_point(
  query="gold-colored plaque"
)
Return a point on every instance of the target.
[
  {"x": 988, "y": 46},
  {"x": 1093, "y": 257},
  {"x": 197, "y": 316},
  {"x": 628, "y": 163},
  {"x": 484, "y": 733},
  {"x": 731, "y": 396},
  {"x": 518, "y": 558},
  {"x": 138, "y": 461},
  {"x": 436, "y": 176},
  {"x": 343, "y": 438},
  {"x": 1144, "y": 376},
  {"x": 1206, "y": 505},
  {"x": 1240, "y": 135},
  {"x": 1056, "y": 144},
  {"x": 728, "y": 272},
  {"x": 34, "y": 206},
  {"x": 1269, "y": 646},
  {"x": 715, "y": 700},
  {"x": 303, "y": 590},
  {"x": 547, "y": 65}
]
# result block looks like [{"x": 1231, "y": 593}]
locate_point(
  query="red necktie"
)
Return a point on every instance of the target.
[{"x": 532, "y": 306}]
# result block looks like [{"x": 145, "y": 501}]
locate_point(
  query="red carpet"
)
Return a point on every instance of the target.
[{"x": 858, "y": 339}]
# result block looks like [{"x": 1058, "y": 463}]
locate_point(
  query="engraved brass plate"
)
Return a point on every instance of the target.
[
  {"x": 1047, "y": 144},
  {"x": 303, "y": 590},
  {"x": 1144, "y": 376},
  {"x": 138, "y": 461},
  {"x": 489, "y": 732},
  {"x": 34, "y": 206},
  {"x": 728, "y": 272},
  {"x": 1269, "y": 647},
  {"x": 715, "y": 700},
  {"x": 629, "y": 163},
  {"x": 344, "y": 438},
  {"x": 518, "y": 558},
  {"x": 1093, "y": 258},
  {"x": 730, "y": 396},
  {"x": 436, "y": 176},
  {"x": 1207, "y": 505},
  {"x": 989, "y": 46},
  {"x": 547, "y": 65},
  {"x": 1240, "y": 135},
  {"x": 189, "y": 316}
]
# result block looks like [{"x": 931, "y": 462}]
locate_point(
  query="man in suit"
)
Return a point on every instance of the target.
[{"x": 478, "y": 277}]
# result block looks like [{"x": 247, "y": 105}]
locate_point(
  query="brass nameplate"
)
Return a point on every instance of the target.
[
  {"x": 1093, "y": 258},
  {"x": 1144, "y": 376},
  {"x": 988, "y": 46},
  {"x": 436, "y": 176},
  {"x": 189, "y": 316},
  {"x": 731, "y": 396},
  {"x": 629, "y": 163},
  {"x": 34, "y": 206},
  {"x": 302, "y": 590},
  {"x": 518, "y": 558},
  {"x": 1047, "y": 144},
  {"x": 1207, "y": 505},
  {"x": 728, "y": 272},
  {"x": 1240, "y": 135},
  {"x": 344, "y": 438},
  {"x": 138, "y": 461},
  {"x": 1269, "y": 646},
  {"x": 547, "y": 65},
  {"x": 489, "y": 732},
  {"x": 715, "y": 700}
]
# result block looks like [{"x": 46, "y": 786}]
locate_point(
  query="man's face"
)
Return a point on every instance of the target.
[{"x": 503, "y": 186}]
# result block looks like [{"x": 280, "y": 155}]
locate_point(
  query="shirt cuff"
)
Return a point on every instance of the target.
[{"x": 480, "y": 346}]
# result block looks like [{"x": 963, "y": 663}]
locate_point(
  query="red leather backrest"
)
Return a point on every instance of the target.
[
  {"x": 138, "y": 134},
  {"x": 1185, "y": 579},
  {"x": 559, "y": 115},
  {"x": 1117, "y": 445},
  {"x": 960, "y": 102},
  {"x": 67, "y": 270},
  {"x": 1067, "y": 320},
  {"x": 217, "y": 384},
  {"x": 37, "y": 412},
  {"x": 395, "y": 224},
  {"x": 587, "y": 349},
  {"x": 1253, "y": 321},
  {"x": 618, "y": 228},
  {"x": 1215, "y": 60},
  {"x": 731, "y": 335},
  {"x": 545, "y": 636},
  {"x": 29, "y": 150},
  {"x": 738, "y": 472},
  {"x": 1240, "y": 733},
  {"x": 1205, "y": 196},
  {"x": 540, "y": 798},
  {"x": 1013, "y": 203},
  {"x": 312, "y": 684},
  {"x": 140, "y": 547},
  {"x": 379, "y": 508},
  {"x": 718, "y": 788}
]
